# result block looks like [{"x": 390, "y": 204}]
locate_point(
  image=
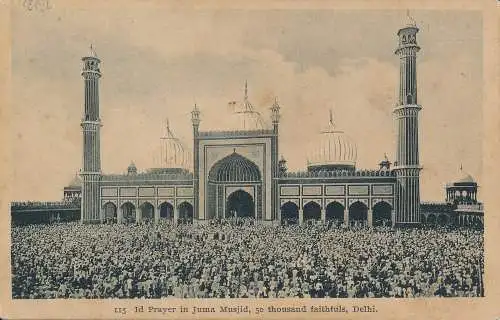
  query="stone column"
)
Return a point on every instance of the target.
[
  {"x": 138, "y": 214},
  {"x": 119, "y": 215},
  {"x": 323, "y": 215},
  {"x": 157, "y": 212},
  {"x": 176, "y": 215},
  {"x": 370, "y": 217},
  {"x": 346, "y": 216},
  {"x": 301, "y": 217}
]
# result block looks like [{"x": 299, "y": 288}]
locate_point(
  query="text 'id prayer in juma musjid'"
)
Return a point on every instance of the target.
[{"x": 243, "y": 309}]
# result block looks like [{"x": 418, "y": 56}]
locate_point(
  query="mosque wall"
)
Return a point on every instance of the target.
[{"x": 323, "y": 192}]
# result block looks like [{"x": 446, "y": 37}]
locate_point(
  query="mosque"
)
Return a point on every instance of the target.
[{"x": 239, "y": 173}]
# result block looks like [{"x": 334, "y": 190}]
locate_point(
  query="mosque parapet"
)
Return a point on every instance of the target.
[
  {"x": 338, "y": 173},
  {"x": 235, "y": 133},
  {"x": 43, "y": 205},
  {"x": 151, "y": 175}
]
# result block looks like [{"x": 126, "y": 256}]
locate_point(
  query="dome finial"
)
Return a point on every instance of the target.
[
  {"x": 332, "y": 124},
  {"x": 234, "y": 150},
  {"x": 92, "y": 51},
  {"x": 246, "y": 90}
]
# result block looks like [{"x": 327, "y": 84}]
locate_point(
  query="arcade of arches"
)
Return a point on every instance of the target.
[
  {"x": 357, "y": 213},
  {"x": 128, "y": 213}
]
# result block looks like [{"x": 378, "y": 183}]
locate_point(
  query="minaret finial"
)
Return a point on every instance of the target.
[
  {"x": 92, "y": 51},
  {"x": 246, "y": 90},
  {"x": 461, "y": 167},
  {"x": 331, "y": 117},
  {"x": 168, "y": 125}
]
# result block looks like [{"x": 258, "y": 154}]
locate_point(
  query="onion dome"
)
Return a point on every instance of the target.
[
  {"x": 75, "y": 183},
  {"x": 234, "y": 167},
  {"x": 132, "y": 169},
  {"x": 464, "y": 179},
  {"x": 245, "y": 117},
  {"x": 335, "y": 151},
  {"x": 173, "y": 152}
]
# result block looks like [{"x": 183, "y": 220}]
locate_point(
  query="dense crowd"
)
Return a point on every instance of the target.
[{"x": 237, "y": 259}]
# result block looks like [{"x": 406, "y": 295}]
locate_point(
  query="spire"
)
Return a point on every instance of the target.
[
  {"x": 461, "y": 168},
  {"x": 92, "y": 51},
  {"x": 246, "y": 90},
  {"x": 330, "y": 122},
  {"x": 246, "y": 103}
]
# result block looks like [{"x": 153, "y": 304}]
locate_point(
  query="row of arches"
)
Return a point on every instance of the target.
[
  {"x": 147, "y": 212},
  {"x": 357, "y": 212},
  {"x": 444, "y": 219}
]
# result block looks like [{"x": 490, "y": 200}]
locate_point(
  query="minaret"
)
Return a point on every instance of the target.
[
  {"x": 275, "y": 118},
  {"x": 91, "y": 125},
  {"x": 407, "y": 168},
  {"x": 195, "y": 119}
]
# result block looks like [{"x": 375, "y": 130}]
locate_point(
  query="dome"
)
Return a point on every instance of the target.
[
  {"x": 334, "y": 151},
  {"x": 245, "y": 117},
  {"x": 234, "y": 167},
  {"x": 464, "y": 178},
  {"x": 173, "y": 152},
  {"x": 76, "y": 182}
]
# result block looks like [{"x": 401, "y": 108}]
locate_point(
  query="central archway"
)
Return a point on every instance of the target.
[
  {"x": 234, "y": 172},
  {"x": 240, "y": 204}
]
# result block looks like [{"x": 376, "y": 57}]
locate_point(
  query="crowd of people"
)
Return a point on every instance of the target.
[{"x": 239, "y": 259}]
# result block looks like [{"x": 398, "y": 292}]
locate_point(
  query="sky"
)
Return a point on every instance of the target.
[{"x": 157, "y": 62}]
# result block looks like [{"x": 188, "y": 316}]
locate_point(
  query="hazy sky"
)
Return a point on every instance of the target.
[{"x": 156, "y": 63}]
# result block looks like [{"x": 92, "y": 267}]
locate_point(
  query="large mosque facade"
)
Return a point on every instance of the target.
[{"x": 239, "y": 173}]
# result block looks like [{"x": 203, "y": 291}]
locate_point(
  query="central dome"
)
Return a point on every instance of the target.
[
  {"x": 334, "y": 151},
  {"x": 245, "y": 117}
]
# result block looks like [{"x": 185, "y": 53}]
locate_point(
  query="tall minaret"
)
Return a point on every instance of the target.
[
  {"x": 275, "y": 118},
  {"x": 407, "y": 168},
  {"x": 91, "y": 125},
  {"x": 195, "y": 119}
]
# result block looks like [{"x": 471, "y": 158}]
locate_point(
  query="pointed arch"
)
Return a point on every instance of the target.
[
  {"x": 289, "y": 213},
  {"x": 185, "y": 212},
  {"x": 382, "y": 213},
  {"x": 110, "y": 212},
  {"x": 147, "y": 211},
  {"x": 128, "y": 212},
  {"x": 358, "y": 211},
  {"x": 312, "y": 211},
  {"x": 166, "y": 210},
  {"x": 335, "y": 211}
]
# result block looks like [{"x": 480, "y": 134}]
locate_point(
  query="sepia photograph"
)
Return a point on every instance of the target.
[{"x": 210, "y": 152}]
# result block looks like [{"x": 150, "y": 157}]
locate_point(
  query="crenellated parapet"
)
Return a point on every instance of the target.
[
  {"x": 338, "y": 173},
  {"x": 236, "y": 133}
]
